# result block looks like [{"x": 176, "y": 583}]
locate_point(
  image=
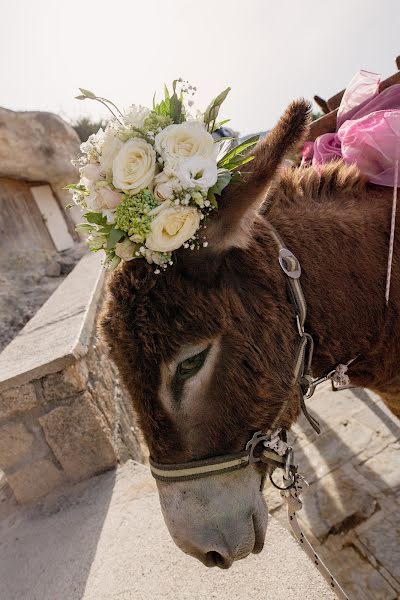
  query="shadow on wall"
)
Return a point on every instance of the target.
[{"x": 60, "y": 567}]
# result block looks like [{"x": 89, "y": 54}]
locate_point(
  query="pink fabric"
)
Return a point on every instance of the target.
[{"x": 368, "y": 131}]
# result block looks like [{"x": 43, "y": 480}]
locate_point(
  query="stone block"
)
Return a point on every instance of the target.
[
  {"x": 359, "y": 579},
  {"x": 35, "y": 480},
  {"x": 381, "y": 539},
  {"x": 336, "y": 503},
  {"x": 17, "y": 400},
  {"x": 15, "y": 444},
  {"x": 65, "y": 384},
  {"x": 80, "y": 438},
  {"x": 383, "y": 469},
  {"x": 333, "y": 448}
]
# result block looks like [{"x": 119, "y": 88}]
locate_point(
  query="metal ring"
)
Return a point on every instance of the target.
[
  {"x": 285, "y": 253},
  {"x": 251, "y": 445},
  {"x": 288, "y": 487}
]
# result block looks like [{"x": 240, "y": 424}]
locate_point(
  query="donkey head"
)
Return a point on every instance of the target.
[{"x": 207, "y": 351}]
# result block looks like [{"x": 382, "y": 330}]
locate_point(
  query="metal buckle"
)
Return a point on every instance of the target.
[
  {"x": 285, "y": 253},
  {"x": 289, "y": 476},
  {"x": 251, "y": 445}
]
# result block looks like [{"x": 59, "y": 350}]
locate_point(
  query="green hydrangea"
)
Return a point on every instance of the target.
[
  {"x": 132, "y": 214},
  {"x": 154, "y": 121}
]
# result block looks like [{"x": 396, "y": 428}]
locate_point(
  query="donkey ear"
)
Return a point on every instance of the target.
[{"x": 240, "y": 202}]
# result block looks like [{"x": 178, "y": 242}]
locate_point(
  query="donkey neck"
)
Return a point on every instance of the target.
[{"x": 341, "y": 244}]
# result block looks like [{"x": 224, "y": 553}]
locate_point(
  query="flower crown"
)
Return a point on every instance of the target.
[{"x": 151, "y": 178}]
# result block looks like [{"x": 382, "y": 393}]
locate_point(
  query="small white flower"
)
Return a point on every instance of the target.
[
  {"x": 135, "y": 116},
  {"x": 197, "y": 172},
  {"x": 205, "y": 244},
  {"x": 206, "y": 203}
]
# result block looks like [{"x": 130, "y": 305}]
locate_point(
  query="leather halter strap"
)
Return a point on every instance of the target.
[{"x": 217, "y": 465}]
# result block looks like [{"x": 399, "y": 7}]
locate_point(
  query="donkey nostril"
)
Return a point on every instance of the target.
[{"x": 216, "y": 559}]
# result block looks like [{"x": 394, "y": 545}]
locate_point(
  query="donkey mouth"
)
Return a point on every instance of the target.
[
  {"x": 260, "y": 529},
  {"x": 217, "y": 559}
]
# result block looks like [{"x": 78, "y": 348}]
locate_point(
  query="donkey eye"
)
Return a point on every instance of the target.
[{"x": 189, "y": 367}]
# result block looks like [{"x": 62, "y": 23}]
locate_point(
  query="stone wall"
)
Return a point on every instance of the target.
[{"x": 69, "y": 417}]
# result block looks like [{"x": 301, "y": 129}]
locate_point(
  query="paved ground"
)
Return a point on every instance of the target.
[
  {"x": 352, "y": 511},
  {"x": 106, "y": 540}
]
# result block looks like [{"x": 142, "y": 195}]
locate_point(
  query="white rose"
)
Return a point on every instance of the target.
[
  {"x": 109, "y": 150},
  {"x": 197, "y": 172},
  {"x": 164, "y": 187},
  {"x": 172, "y": 227},
  {"x": 135, "y": 116},
  {"x": 134, "y": 167},
  {"x": 125, "y": 249},
  {"x": 184, "y": 140}
]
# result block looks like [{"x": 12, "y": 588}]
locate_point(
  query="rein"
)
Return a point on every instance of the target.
[{"x": 275, "y": 453}]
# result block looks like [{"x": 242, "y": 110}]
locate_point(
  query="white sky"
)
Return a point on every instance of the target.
[{"x": 268, "y": 51}]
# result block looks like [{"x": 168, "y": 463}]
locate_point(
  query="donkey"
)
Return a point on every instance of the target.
[{"x": 207, "y": 348}]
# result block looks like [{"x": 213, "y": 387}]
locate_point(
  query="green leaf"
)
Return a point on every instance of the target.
[
  {"x": 211, "y": 114},
  {"x": 221, "y": 123},
  {"x": 166, "y": 93},
  {"x": 75, "y": 186},
  {"x": 223, "y": 180},
  {"x": 176, "y": 110},
  {"x": 88, "y": 94},
  {"x": 84, "y": 227},
  {"x": 211, "y": 197},
  {"x": 114, "y": 237},
  {"x": 105, "y": 229},
  {"x": 80, "y": 97},
  {"x": 96, "y": 218},
  {"x": 238, "y": 151}
]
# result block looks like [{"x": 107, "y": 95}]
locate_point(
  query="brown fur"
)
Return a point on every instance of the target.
[{"x": 338, "y": 227}]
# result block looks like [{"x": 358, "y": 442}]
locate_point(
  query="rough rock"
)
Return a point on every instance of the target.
[{"x": 36, "y": 146}]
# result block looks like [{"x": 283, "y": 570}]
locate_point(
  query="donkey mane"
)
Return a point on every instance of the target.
[{"x": 301, "y": 185}]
